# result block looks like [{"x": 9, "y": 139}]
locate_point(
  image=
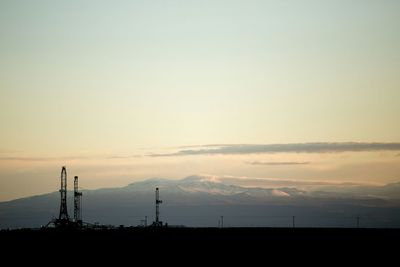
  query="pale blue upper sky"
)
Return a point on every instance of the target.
[{"x": 104, "y": 77}]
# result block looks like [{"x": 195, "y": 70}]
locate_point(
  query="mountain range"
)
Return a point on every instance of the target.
[{"x": 202, "y": 200}]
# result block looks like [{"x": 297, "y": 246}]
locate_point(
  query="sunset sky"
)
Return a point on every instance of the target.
[{"x": 120, "y": 91}]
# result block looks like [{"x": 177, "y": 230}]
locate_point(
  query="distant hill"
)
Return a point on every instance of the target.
[{"x": 200, "y": 201}]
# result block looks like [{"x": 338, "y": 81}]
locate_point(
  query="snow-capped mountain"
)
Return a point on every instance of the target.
[{"x": 200, "y": 200}]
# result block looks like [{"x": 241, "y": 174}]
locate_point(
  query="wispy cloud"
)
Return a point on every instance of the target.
[
  {"x": 274, "y": 163},
  {"x": 276, "y": 182},
  {"x": 323, "y": 147},
  {"x": 123, "y": 157},
  {"x": 48, "y": 159},
  {"x": 39, "y": 159}
]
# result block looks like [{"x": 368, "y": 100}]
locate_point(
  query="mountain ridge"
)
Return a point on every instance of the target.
[{"x": 199, "y": 200}]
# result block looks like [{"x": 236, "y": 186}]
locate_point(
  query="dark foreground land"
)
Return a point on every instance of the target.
[{"x": 205, "y": 243}]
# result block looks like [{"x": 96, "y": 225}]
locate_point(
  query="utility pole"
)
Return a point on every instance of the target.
[
  {"x": 144, "y": 222},
  {"x": 358, "y": 221},
  {"x": 222, "y": 221},
  {"x": 293, "y": 221}
]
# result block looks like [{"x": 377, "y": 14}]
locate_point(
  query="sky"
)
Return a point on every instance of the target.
[{"x": 118, "y": 90}]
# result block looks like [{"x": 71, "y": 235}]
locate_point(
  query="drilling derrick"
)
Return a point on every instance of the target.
[
  {"x": 63, "y": 217},
  {"x": 63, "y": 220},
  {"x": 158, "y": 223},
  {"x": 77, "y": 203}
]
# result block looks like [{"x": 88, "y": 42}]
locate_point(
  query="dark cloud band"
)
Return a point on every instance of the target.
[
  {"x": 284, "y": 148},
  {"x": 279, "y": 163}
]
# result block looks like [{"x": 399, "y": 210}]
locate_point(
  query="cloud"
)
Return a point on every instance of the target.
[
  {"x": 275, "y": 182},
  {"x": 279, "y": 193},
  {"x": 272, "y": 163},
  {"x": 323, "y": 147},
  {"x": 37, "y": 159},
  {"x": 47, "y": 159},
  {"x": 123, "y": 157},
  {"x": 8, "y": 151}
]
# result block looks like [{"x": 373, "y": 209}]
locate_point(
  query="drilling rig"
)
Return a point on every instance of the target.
[
  {"x": 63, "y": 218},
  {"x": 77, "y": 204},
  {"x": 157, "y": 222}
]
